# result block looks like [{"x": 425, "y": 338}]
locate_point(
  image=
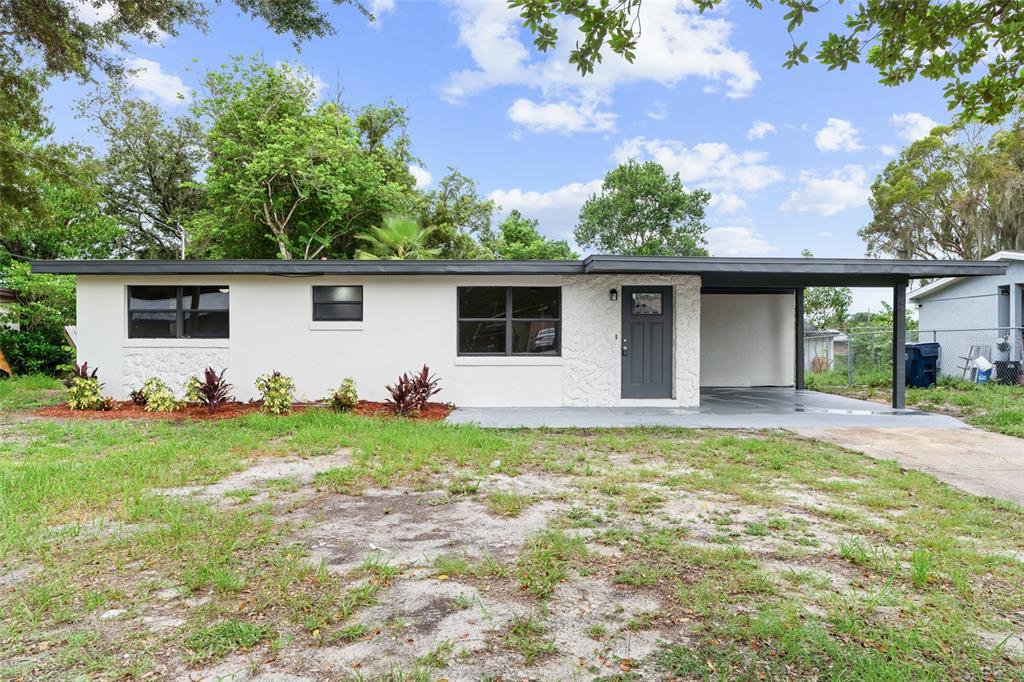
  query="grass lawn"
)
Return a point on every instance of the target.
[
  {"x": 992, "y": 407},
  {"x": 324, "y": 545},
  {"x": 33, "y": 390}
]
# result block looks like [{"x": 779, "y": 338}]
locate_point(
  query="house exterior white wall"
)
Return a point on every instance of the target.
[
  {"x": 591, "y": 347},
  {"x": 408, "y": 320},
  {"x": 747, "y": 340}
]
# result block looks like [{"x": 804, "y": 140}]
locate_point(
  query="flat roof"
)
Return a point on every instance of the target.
[
  {"x": 715, "y": 272},
  {"x": 940, "y": 284}
]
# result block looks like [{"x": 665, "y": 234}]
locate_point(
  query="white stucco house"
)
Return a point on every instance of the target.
[
  {"x": 986, "y": 314},
  {"x": 604, "y": 331}
]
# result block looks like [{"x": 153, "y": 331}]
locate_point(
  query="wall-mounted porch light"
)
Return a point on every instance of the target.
[{"x": 613, "y": 295}]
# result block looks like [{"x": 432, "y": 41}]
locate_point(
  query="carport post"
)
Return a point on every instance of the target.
[
  {"x": 799, "y": 317},
  {"x": 899, "y": 343}
]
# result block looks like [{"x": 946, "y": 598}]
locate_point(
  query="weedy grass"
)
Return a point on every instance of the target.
[
  {"x": 29, "y": 391},
  {"x": 889, "y": 575},
  {"x": 503, "y": 503}
]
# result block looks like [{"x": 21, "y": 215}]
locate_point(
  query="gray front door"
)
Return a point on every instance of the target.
[{"x": 646, "y": 342}]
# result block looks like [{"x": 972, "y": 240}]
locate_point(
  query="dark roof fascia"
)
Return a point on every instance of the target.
[
  {"x": 306, "y": 267},
  {"x": 7, "y": 295},
  {"x": 792, "y": 266},
  {"x": 715, "y": 272}
]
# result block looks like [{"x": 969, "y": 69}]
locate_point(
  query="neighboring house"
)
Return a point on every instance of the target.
[
  {"x": 820, "y": 349},
  {"x": 607, "y": 330},
  {"x": 984, "y": 314},
  {"x": 6, "y": 298}
]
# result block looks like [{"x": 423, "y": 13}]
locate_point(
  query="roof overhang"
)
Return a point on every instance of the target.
[
  {"x": 6, "y": 295},
  {"x": 939, "y": 284},
  {"x": 739, "y": 273}
]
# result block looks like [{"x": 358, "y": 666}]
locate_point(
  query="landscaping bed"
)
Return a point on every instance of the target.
[{"x": 126, "y": 409}]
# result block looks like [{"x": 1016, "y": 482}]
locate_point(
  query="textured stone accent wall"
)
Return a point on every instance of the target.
[
  {"x": 591, "y": 325},
  {"x": 174, "y": 365}
]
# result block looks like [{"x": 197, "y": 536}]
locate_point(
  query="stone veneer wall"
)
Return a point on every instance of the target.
[
  {"x": 591, "y": 325},
  {"x": 174, "y": 365}
]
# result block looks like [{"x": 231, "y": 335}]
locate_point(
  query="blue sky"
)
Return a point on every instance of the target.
[{"x": 789, "y": 155}]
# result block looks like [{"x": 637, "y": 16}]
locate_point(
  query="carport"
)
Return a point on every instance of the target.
[{"x": 726, "y": 282}]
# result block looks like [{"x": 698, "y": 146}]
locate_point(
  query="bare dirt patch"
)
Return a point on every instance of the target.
[
  {"x": 412, "y": 528},
  {"x": 299, "y": 470}
]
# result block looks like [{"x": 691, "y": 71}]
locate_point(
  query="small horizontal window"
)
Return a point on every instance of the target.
[
  {"x": 338, "y": 304},
  {"x": 509, "y": 320},
  {"x": 168, "y": 312}
]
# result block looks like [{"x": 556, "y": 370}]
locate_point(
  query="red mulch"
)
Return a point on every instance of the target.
[
  {"x": 126, "y": 409},
  {"x": 431, "y": 412}
]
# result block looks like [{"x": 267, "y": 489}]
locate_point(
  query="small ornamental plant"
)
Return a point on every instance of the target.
[
  {"x": 345, "y": 397},
  {"x": 412, "y": 391},
  {"x": 192, "y": 388},
  {"x": 84, "y": 390},
  {"x": 213, "y": 391},
  {"x": 158, "y": 396},
  {"x": 278, "y": 392}
]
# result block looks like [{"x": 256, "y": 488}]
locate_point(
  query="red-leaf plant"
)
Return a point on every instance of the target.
[
  {"x": 214, "y": 391},
  {"x": 412, "y": 391}
]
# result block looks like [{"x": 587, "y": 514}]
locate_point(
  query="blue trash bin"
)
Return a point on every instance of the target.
[{"x": 922, "y": 364}]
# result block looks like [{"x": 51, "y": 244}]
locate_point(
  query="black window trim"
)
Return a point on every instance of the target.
[
  {"x": 312, "y": 301},
  {"x": 179, "y": 311},
  {"x": 508, "y": 320}
]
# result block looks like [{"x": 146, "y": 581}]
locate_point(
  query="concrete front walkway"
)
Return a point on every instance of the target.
[
  {"x": 721, "y": 408},
  {"x": 976, "y": 461}
]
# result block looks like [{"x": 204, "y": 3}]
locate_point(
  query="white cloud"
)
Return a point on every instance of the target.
[
  {"x": 658, "y": 111},
  {"x": 888, "y": 150},
  {"x": 712, "y": 165},
  {"x": 379, "y": 7},
  {"x": 422, "y": 175},
  {"x": 560, "y": 117},
  {"x": 572, "y": 195},
  {"x": 838, "y": 135},
  {"x": 727, "y": 202},
  {"x": 737, "y": 241},
  {"x": 759, "y": 129},
  {"x": 912, "y": 126},
  {"x": 90, "y": 13},
  {"x": 152, "y": 81},
  {"x": 677, "y": 43},
  {"x": 839, "y": 190}
]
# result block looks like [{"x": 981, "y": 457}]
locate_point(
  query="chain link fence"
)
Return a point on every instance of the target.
[{"x": 864, "y": 357}]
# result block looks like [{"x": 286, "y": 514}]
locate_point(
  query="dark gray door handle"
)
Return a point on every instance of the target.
[{"x": 625, "y": 346}]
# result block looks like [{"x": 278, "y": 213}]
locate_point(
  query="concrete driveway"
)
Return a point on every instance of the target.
[{"x": 976, "y": 461}]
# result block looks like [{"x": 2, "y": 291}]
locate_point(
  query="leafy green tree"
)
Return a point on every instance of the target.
[
  {"x": 460, "y": 217},
  {"x": 64, "y": 218},
  {"x": 400, "y": 238},
  {"x": 517, "y": 238},
  {"x": 151, "y": 170},
  {"x": 975, "y": 48},
  {"x": 287, "y": 177},
  {"x": 642, "y": 210},
  {"x": 87, "y": 39},
  {"x": 44, "y": 305},
  {"x": 953, "y": 194},
  {"x": 826, "y": 307}
]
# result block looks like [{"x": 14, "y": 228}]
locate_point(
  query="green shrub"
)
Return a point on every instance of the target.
[
  {"x": 278, "y": 392},
  {"x": 84, "y": 394},
  {"x": 194, "y": 390},
  {"x": 44, "y": 305},
  {"x": 158, "y": 396},
  {"x": 345, "y": 397}
]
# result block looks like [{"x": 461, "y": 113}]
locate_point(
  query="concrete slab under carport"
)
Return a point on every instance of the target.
[{"x": 721, "y": 408}]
